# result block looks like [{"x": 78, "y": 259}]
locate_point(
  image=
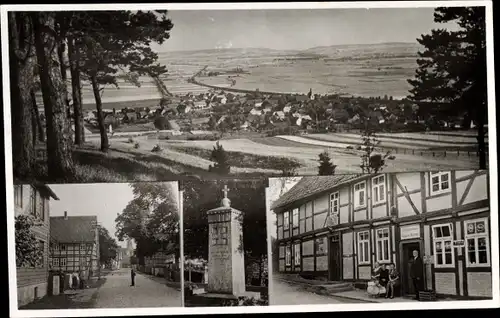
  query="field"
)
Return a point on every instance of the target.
[{"x": 268, "y": 155}]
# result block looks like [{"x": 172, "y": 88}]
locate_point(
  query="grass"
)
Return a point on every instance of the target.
[{"x": 244, "y": 160}]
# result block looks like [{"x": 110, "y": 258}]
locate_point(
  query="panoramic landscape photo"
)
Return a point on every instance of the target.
[{"x": 114, "y": 96}]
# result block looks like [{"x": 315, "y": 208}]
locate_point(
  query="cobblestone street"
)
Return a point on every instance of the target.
[
  {"x": 282, "y": 293},
  {"x": 117, "y": 292}
]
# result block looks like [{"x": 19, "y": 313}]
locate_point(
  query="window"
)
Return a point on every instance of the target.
[
  {"x": 33, "y": 202},
  {"x": 364, "y": 247},
  {"x": 83, "y": 247},
  {"x": 296, "y": 250},
  {"x": 378, "y": 189},
  {"x": 295, "y": 218},
  {"x": 382, "y": 245},
  {"x": 18, "y": 195},
  {"x": 443, "y": 249},
  {"x": 62, "y": 262},
  {"x": 360, "y": 195},
  {"x": 286, "y": 220},
  {"x": 439, "y": 182},
  {"x": 288, "y": 255},
  {"x": 477, "y": 243},
  {"x": 334, "y": 203},
  {"x": 55, "y": 262},
  {"x": 63, "y": 247},
  {"x": 319, "y": 246}
]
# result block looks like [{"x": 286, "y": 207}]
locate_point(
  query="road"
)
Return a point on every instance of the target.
[
  {"x": 117, "y": 292},
  {"x": 287, "y": 294}
]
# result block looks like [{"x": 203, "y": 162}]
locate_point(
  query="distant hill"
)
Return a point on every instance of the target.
[{"x": 380, "y": 50}]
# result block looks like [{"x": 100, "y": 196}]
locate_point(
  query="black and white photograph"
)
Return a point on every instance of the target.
[
  {"x": 225, "y": 243},
  {"x": 116, "y": 96},
  {"x": 381, "y": 238},
  {"x": 110, "y": 245}
]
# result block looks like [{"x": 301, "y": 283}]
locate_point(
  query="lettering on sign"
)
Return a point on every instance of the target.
[
  {"x": 459, "y": 243},
  {"x": 410, "y": 232}
]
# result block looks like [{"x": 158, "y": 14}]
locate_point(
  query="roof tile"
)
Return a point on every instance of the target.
[{"x": 74, "y": 229}]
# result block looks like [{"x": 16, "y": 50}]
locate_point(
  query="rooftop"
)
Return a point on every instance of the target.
[
  {"x": 310, "y": 186},
  {"x": 73, "y": 229}
]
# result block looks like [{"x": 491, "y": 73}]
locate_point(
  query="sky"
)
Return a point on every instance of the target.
[
  {"x": 276, "y": 189},
  {"x": 294, "y": 29},
  {"x": 105, "y": 200}
]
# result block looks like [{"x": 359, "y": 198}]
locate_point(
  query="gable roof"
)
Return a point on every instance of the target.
[
  {"x": 310, "y": 186},
  {"x": 74, "y": 229}
]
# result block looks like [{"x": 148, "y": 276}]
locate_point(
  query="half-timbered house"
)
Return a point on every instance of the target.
[
  {"x": 339, "y": 226},
  {"x": 33, "y": 200},
  {"x": 74, "y": 244}
]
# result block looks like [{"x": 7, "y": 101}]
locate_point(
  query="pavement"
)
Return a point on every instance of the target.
[{"x": 117, "y": 292}]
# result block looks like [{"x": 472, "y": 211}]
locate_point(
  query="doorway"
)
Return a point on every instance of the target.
[
  {"x": 335, "y": 259},
  {"x": 407, "y": 249}
]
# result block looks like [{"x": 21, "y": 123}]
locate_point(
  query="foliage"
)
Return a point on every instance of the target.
[
  {"x": 452, "y": 68},
  {"x": 246, "y": 196},
  {"x": 161, "y": 123},
  {"x": 107, "y": 246},
  {"x": 151, "y": 218},
  {"x": 371, "y": 162},
  {"x": 326, "y": 167},
  {"x": 28, "y": 251},
  {"x": 220, "y": 157},
  {"x": 247, "y": 301},
  {"x": 157, "y": 148}
]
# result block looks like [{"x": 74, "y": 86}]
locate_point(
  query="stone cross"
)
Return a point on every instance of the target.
[{"x": 225, "y": 190}]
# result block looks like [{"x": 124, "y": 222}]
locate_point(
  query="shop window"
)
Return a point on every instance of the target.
[
  {"x": 439, "y": 182},
  {"x": 363, "y": 248},
  {"x": 442, "y": 237},
  {"x": 477, "y": 243}
]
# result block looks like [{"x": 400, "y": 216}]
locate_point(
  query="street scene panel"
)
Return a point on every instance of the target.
[
  {"x": 109, "y": 245},
  {"x": 384, "y": 237},
  {"x": 225, "y": 243},
  {"x": 235, "y": 94}
]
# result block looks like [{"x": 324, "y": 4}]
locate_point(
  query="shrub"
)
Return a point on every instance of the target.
[
  {"x": 136, "y": 145},
  {"x": 28, "y": 252},
  {"x": 247, "y": 301},
  {"x": 391, "y": 157},
  {"x": 157, "y": 148},
  {"x": 349, "y": 147},
  {"x": 220, "y": 157},
  {"x": 130, "y": 140}
]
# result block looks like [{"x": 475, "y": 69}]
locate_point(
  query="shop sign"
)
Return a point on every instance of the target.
[
  {"x": 459, "y": 243},
  {"x": 409, "y": 232}
]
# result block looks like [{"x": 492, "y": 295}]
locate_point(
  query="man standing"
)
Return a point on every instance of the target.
[
  {"x": 417, "y": 273},
  {"x": 132, "y": 276}
]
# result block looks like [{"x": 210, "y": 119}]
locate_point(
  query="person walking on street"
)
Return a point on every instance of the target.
[
  {"x": 417, "y": 273},
  {"x": 132, "y": 277}
]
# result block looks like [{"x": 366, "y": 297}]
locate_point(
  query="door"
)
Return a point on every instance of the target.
[
  {"x": 407, "y": 284},
  {"x": 335, "y": 263}
]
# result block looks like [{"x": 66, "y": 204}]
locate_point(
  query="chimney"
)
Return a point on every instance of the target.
[{"x": 65, "y": 215}]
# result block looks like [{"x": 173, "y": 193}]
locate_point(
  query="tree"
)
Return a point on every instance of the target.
[
  {"x": 107, "y": 247},
  {"x": 28, "y": 251},
  {"x": 161, "y": 123},
  {"x": 452, "y": 68},
  {"x": 326, "y": 167},
  {"x": 114, "y": 40},
  {"x": 151, "y": 219},
  {"x": 220, "y": 157},
  {"x": 22, "y": 67},
  {"x": 371, "y": 162},
  {"x": 59, "y": 151}
]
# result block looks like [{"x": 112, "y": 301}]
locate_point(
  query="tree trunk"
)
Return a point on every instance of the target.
[
  {"x": 22, "y": 64},
  {"x": 100, "y": 115},
  {"x": 59, "y": 153},
  {"x": 38, "y": 128},
  {"x": 76, "y": 88},
  {"x": 61, "y": 48}
]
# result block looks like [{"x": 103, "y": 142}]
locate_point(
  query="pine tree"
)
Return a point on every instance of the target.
[
  {"x": 452, "y": 68},
  {"x": 220, "y": 157},
  {"x": 326, "y": 167}
]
